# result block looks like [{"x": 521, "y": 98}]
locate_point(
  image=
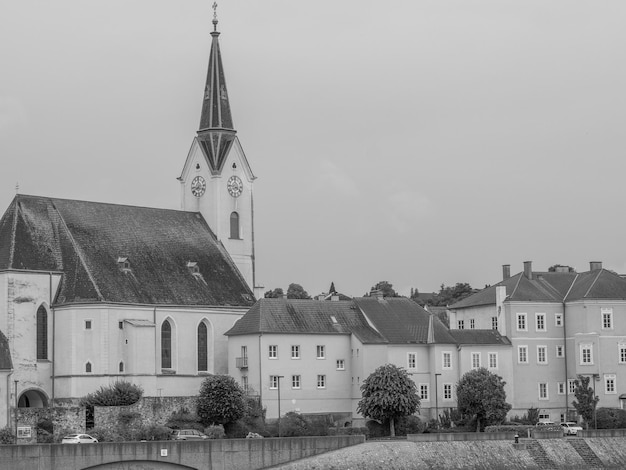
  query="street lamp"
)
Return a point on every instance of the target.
[
  {"x": 278, "y": 377},
  {"x": 437, "y": 400}
]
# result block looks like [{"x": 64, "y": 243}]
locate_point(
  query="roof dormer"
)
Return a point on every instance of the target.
[{"x": 123, "y": 263}]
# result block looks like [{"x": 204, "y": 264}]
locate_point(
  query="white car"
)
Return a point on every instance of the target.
[
  {"x": 78, "y": 439},
  {"x": 570, "y": 428}
]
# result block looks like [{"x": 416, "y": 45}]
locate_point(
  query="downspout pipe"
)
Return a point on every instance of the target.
[{"x": 260, "y": 372}]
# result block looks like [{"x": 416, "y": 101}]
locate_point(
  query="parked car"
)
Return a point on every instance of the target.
[
  {"x": 570, "y": 428},
  {"x": 546, "y": 423},
  {"x": 78, "y": 439},
  {"x": 188, "y": 435}
]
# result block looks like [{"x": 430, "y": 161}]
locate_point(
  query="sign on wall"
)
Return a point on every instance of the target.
[{"x": 24, "y": 432}]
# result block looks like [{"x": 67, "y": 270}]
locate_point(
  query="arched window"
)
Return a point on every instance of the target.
[
  {"x": 42, "y": 333},
  {"x": 203, "y": 361},
  {"x": 166, "y": 345},
  {"x": 234, "y": 225},
  {"x": 121, "y": 366},
  {"x": 88, "y": 367}
]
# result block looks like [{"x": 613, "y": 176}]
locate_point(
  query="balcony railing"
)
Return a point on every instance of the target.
[{"x": 241, "y": 362}]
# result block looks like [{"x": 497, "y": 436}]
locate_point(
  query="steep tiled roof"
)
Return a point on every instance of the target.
[
  {"x": 85, "y": 240},
  {"x": 296, "y": 316},
  {"x": 479, "y": 337},
  {"x": 552, "y": 287},
  {"x": 401, "y": 320},
  {"x": 5, "y": 353}
]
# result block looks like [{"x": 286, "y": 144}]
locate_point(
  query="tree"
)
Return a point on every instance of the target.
[
  {"x": 586, "y": 399},
  {"x": 480, "y": 394},
  {"x": 274, "y": 294},
  {"x": 221, "y": 400},
  {"x": 296, "y": 291},
  {"x": 386, "y": 288},
  {"x": 449, "y": 295},
  {"x": 387, "y": 394}
]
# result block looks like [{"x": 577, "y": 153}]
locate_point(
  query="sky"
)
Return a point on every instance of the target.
[{"x": 421, "y": 142}]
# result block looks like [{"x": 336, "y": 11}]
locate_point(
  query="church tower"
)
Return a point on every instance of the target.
[{"x": 217, "y": 180}]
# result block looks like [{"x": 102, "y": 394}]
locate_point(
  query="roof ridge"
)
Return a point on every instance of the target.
[
  {"x": 78, "y": 251},
  {"x": 570, "y": 287},
  {"x": 53, "y": 199},
  {"x": 12, "y": 248},
  {"x": 593, "y": 283}
]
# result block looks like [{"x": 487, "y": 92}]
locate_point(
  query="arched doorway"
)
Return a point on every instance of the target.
[{"x": 32, "y": 399}]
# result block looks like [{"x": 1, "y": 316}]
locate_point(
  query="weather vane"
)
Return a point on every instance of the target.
[{"x": 214, "y": 16}]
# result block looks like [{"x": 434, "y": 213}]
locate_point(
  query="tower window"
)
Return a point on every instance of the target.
[
  {"x": 234, "y": 225},
  {"x": 166, "y": 345},
  {"x": 202, "y": 348},
  {"x": 121, "y": 368},
  {"x": 88, "y": 367},
  {"x": 42, "y": 333}
]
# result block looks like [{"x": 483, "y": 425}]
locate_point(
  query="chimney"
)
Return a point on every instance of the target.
[
  {"x": 376, "y": 293},
  {"x": 506, "y": 271},
  {"x": 528, "y": 269},
  {"x": 595, "y": 265}
]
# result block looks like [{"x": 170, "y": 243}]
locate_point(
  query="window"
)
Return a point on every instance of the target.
[
  {"x": 475, "y": 360},
  {"x": 272, "y": 351},
  {"x": 88, "y": 324},
  {"x": 558, "y": 319},
  {"x": 540, "y": 319},
  {"x": 42, "y": 333},
  {"x": 447, "y": 391},
  {"x": 493, "y": 360},
  {"x": 543, "y": 391},
  {"x": 88, "y": 367},
  {"x": 244, "y": 383},
  {"x": 607, "y": 318},
  {"x": 560, "y": 387},
  {"x": 120, "y": 325},
  {"x": 424, "y": 391},
  {"x": 273, "y": 382},
  {"x": 461, "y": 324},
  {"x": 586, "y": 354},
  {"x": 571, "y": 386},
  {"x": 321, "y": 381},
  {"x": 609, "y": 383},
  {"x": 295, "y": 381},
  {"x": 234, "y": 225},
  {"x": 295, "y": 352},
  {"x": 472, "y": 324},
  {"x": 446, "y": 360},
  {"x": 411, "y": 360},
  {"x": 494, "y": 323},
  {"x": 521, "y": 322},
  {"x": 203, "y": 343},
  {"x": 622, "y": 353},
  {"x": 541, "y": 355},
  {"x": 321, "y": 352},
  {"x": 560, "y": 351},
  {"x": 522, "y": 354},
  {"x": 121, "y": 366},
  {"x": 341, "y": 364},
  {"x": 166, "y": 345}
]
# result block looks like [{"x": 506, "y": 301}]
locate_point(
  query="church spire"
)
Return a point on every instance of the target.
[{"x": 216, "y": 132}]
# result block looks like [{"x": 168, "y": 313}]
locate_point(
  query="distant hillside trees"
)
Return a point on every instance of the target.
[
  {"x": 294, "y": 291},
  {"x": 447, "y": 295}
]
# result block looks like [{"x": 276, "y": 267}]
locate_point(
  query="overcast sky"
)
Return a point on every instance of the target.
[{"x": 419, "y": 142}]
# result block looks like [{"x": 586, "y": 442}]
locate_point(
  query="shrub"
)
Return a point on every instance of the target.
[
  {"x": 184, "y": 419},
  {"x": 215, "y": 432},
  {"x": 152, "y": 432},
  {"x": 121, "y": 393},
  {"x": 45, "y": 431},
  {"x": 349, "y": 431},
  {"x": 7, "y": 436},
  {"x": 106, "y": 434},
  {"x": 377, "y": 429},
  {"x": 610, "y": 418},
  {"x": 410, "y": 425},
  {"x": 445, "y": 419},
  {"x": 294, "y": 424}
]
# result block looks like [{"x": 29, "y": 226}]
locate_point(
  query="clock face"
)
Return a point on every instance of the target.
[
  {"x": 235, "y": 186},
  {"x": 198, "y": 186}
]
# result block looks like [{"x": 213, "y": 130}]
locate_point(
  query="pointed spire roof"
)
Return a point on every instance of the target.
[{"x": 216, "y": 133}]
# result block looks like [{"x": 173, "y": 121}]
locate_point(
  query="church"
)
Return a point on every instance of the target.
[{"x": 91, "y": 293}]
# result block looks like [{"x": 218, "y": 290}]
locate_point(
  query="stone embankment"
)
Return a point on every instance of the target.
[{"x": 545, "y": 454}]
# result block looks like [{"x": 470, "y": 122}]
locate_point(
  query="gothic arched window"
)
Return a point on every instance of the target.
[
  {"x": 166, "y": 345},
  {"x": 42, "y": 333},
  {"x": 234, "y": 225},
  {"x": 203, "y": 336}
]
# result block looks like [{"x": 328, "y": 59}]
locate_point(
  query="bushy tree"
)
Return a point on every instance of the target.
[
  {"x": 121, "y": 393},
  {"x": 274, "y": 294},
  {"x": 387, "y": 394},
  {"x": 611, "y": 418},
  {"x": 586, "y": 399},
  {"x": 221, "y": 400},
  {"x": 386, "y": 288},
  {"x": 296, "y": 291},
  {"x": 449, "y": 295},
  {"x": 480, "y": 394}
]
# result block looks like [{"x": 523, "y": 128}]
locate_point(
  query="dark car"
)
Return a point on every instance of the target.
[{"x": 188, "y": 435}]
